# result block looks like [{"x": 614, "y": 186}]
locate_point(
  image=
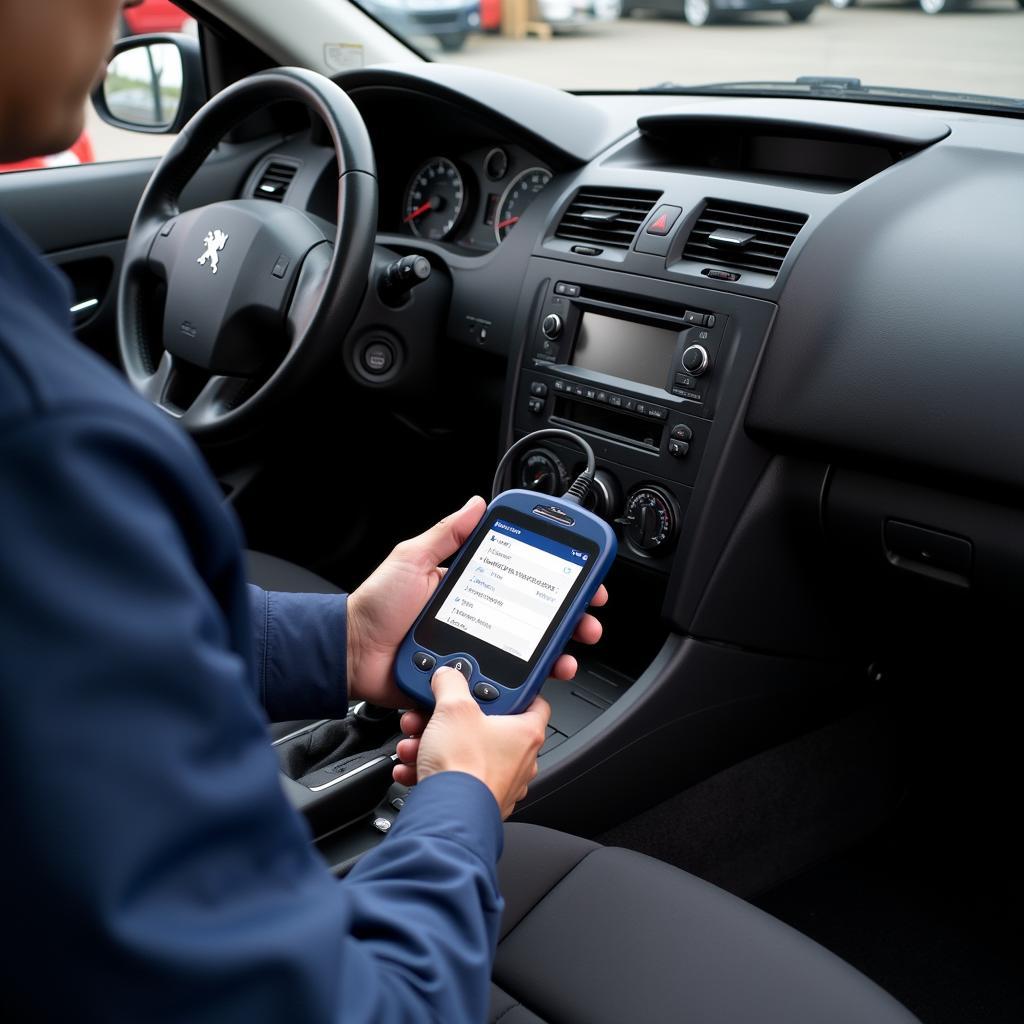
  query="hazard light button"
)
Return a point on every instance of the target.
[{"x": 663, "y": 220}]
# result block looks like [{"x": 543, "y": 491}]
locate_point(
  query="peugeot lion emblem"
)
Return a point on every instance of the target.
[{"x": 214, "y": 241}]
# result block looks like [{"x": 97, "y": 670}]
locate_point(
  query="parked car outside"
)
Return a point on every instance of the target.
[
  {"x": 570, "y": 14},
  {"x": 705, "y": 12},
  {"x": 928, "y": 6},
  {"x": 448, "y": 21},
  {"x": 80, "y": 153},
  {"x": 141, "y": 16}
]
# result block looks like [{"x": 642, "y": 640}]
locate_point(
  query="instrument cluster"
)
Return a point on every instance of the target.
[{"x": 474, "y": 200}]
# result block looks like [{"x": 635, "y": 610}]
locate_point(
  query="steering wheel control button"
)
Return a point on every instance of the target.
[
  {"x": 663, "y": 220},
  {"x": 423, "y": 661},
  {"x": 695, "y": 359},
  {"x": 462, "y": 665},
  {"x": 281, "y": 266},
  {"x": 681, "y": 432},
  {"x": 378, "y": 358},
  {"x": 168, "y": 227},
  {"x": 551, "y": 326},
  {"x": 485, "y": 692}
]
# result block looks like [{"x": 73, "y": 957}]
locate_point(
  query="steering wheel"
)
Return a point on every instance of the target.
[{"x": 256, "y": 294}]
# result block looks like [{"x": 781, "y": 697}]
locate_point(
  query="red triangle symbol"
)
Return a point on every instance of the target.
[{"x": 661, "y": 223}]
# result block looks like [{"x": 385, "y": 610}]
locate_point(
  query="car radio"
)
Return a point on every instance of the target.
[{"x": 642, "y": 382}]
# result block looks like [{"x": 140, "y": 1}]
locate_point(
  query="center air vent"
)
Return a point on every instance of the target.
[
  {"x": 606, "y": 216},
  {"x": 743, "y": 237},
  {"x": 274, "y": 181}
]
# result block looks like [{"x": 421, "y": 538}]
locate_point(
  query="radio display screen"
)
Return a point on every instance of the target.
[{"x": 624, "y": 349}]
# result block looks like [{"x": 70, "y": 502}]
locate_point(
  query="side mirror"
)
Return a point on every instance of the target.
[{"x": 154, "y": 84}]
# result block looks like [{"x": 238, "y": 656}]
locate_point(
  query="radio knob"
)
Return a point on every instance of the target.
[
  {"x": 695, "y": 360},
  {"x": 551, "y": 326}
]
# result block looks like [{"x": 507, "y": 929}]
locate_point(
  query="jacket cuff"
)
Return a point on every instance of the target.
[
  {"x": 301, "y": 653},
  {"x": 458, "y": 806}
]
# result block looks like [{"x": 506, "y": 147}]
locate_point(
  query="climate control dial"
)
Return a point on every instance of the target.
[{"x": 650, "y": 520}]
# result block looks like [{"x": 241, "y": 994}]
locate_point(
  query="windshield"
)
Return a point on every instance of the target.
[{"x": 957, "y": 53}]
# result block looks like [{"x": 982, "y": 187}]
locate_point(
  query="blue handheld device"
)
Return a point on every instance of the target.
[{"x": 510, "y": 601}]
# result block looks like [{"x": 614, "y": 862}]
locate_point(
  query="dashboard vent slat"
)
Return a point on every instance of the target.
[
  {"x": 771, "y": 235},
  {"x": 608, "y": 217},
  {"x": 274, "y": 181}
]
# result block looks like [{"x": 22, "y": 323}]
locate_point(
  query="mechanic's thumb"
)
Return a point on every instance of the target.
[
  {"x": 449, "y": 686},
  {"x": 446, "y": 537}
]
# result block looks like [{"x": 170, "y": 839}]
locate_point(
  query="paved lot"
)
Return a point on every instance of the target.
[{"x": 977, "y": 50}]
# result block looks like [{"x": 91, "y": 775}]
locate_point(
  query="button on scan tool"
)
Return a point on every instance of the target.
[
  {"x": 463, "y": 665},
  {"x": 423, "y": 661},
  {"x": 485, "y": 691}
]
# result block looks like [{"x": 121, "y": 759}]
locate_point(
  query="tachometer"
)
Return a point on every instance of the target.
[
  {"x": 517, "y": 198},
  {"x": 434, "y": 199}
]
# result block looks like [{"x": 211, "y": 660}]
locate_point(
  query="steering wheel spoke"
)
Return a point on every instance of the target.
[
  {"x": 154, "y": 387},
  {"x": 217, "y": 397}
]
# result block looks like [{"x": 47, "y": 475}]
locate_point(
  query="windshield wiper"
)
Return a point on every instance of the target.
[{"x": 841, "y": 88}]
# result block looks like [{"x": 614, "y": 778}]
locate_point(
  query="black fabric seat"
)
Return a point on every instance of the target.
[
  {"x": 273, "y": 573},
  {"x": 596, "y": 935}
]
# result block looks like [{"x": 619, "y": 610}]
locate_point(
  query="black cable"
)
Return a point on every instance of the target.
[{"x": 578, "y": 489}]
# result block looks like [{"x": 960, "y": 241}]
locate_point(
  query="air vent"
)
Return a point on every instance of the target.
[
  {"x": 743, "y": 237},
  {"x": 606, "y": 216},
  {"x": 274, "y": 181}
]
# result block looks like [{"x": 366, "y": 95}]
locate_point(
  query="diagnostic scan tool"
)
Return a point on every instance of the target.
[{"x": 510, "y": 601}]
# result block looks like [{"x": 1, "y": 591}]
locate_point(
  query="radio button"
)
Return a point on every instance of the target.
[
  {"x": 539, "y": 389},
  {"x": 656, "y": 412},
  {"x": 678, "y": 448},
  {"x": 681, "y": 432},
  {"x": 535, "y": 405},
  {"x": 560, "y": 385},
  {"x": 570, "y": 290},
  {"x": 602, "y": 396},
  {"x": 629, "y": 404},
  {"x": 695, "y": 319},
  {"x": 685, "y": 381},
  {"x": 615, "y": 400}
]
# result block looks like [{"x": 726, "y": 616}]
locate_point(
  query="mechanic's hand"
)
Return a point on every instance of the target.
[
  {"x": 499, "y": 750},
  {"x": 383, "y": 608}
]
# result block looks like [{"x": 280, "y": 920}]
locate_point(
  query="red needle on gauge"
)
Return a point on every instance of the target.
[
  {"x": 507, "y": 222},
  {"x": 422, "y": 208}
]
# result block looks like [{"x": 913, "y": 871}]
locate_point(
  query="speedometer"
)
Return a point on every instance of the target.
[
  {"x": 434, "y": 199},
  {"x": 517, "y": 198}
]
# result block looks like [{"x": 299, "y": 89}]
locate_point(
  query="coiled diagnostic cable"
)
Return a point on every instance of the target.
[{"x": 578, "y": 489}]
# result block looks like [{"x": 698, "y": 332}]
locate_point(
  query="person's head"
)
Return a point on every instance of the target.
[{"x": 52, "y": 53}]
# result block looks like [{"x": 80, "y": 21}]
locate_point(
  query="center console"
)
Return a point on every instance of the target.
[{"x": 642, "y": 369}]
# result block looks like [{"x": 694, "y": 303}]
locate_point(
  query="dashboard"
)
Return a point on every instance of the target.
[{"x": 704, "y": 285}]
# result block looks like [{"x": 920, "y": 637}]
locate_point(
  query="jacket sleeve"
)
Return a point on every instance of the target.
[
  {"x": 300, "y": 643},
  {"x": 160, "y": 873}
]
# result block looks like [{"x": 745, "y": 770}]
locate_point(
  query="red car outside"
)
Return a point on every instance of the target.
[
  {"x": 153, "y": 16},
  {"x": 80, "y": 153}
]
